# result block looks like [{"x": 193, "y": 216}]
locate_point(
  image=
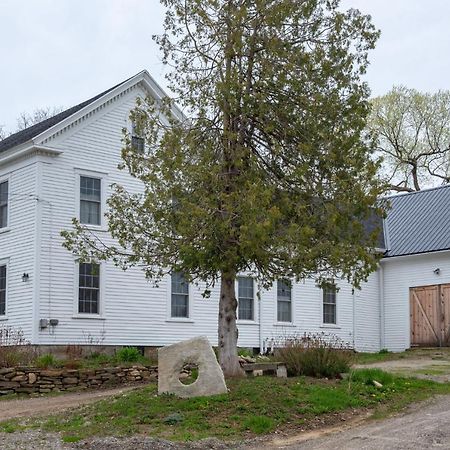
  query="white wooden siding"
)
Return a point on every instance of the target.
[
  {"x": 400, "y": 274},
  {"x": 134, "y": 312},
  {"x": 17, "y": 244}
]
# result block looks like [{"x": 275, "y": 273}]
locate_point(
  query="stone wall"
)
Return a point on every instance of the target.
[{"x": 33, "y": 380}]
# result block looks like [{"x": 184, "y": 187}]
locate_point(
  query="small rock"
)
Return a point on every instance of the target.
[{"x": 377, "y": 384}]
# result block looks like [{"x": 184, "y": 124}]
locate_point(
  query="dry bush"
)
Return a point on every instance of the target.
[
  {"x": 315, "y": 355},
  {"x": 15, "y": 350}
]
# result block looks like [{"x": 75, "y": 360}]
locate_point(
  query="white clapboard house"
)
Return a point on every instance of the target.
[{"x": 63, "y": 168}]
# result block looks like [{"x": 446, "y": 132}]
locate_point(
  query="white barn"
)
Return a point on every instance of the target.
[{"x": 63, "y": 168}]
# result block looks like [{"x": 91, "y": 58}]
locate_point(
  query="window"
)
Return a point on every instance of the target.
[
  {"x": 137, "y": 141},
  {"x": 2, "y": 290},
  {"x": 4, "y": 204},
  {"x": 90, "y": 200},
  {"x": 89, "y": 288},
  {"x": 180, "y": 296},
  {"x": 329, "y": 304},
  {"x": 245, "y": 298},
  {"x": 284, "y": 301}
]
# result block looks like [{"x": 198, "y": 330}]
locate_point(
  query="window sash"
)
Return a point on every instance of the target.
[
  {"x": 245, "y": 298},
  {"x": 4, "y": 204},
  {"x": 89, "y": 288},
  {"x": 329, "y": 306},
  {"x": 284, "y": 301},
  {"x": 2, "y": 290},
  {"x": 179, "y": 296},
  {"x": 90, "y": 200}
]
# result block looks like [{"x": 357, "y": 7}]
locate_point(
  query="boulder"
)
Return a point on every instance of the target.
[{"x": 196, "y": 351}]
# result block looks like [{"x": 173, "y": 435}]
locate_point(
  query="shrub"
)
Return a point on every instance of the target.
[
  {"x": 128, "y": 354},
  {"x": 46, "y": 361},
  {"x": 316, "y": 355},
  {"x": 14, "y": 348}
]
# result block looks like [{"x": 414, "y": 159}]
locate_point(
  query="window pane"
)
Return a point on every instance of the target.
[
  {"x": 284, "y": 312},
  {"x": 89, "y": 212},
  {"x": 137, "y": 143},
  {"x": 3, "y": 204},
  {"x": 90, "y": 200},
  {"x": 2, "y": 290},
  {"x": 89, "y": 288},
  {"x": 90, "y": 189},
  {"x": 180, "y": 305},
  {"x": 245, "y": 298},
  {"x": 329, "y": 304},
  {"x": 180, "y": 295}
]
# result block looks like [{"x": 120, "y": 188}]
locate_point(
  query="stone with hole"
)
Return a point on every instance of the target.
[{"x": 198, "y": 352}]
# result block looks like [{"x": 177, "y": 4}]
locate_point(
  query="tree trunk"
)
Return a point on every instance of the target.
[{"x": 228, "y": 333}]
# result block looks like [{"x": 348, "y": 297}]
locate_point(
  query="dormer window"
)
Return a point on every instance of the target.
[{"x": 137, "y": 141}]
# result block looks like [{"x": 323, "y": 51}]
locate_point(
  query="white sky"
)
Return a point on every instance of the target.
[{"x": 62, "y": 52}]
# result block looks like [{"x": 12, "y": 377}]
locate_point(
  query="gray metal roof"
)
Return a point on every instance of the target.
[{"x": 418, "y": 222}]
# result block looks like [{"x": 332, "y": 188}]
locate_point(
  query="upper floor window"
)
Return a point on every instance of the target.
[
  {"x": 90, "y": 200},
  {"x": 2, "y": 290},
  {"x": 245, "y": 298},
  {"x": 137, "y": 140},
  {"x": 329, "y": 304},
  {"x": 180, "y": 296},
  {"x": 4, "y": 204},
  {"x": 284, "y": 301},
  {"x": 89, "y": 288}
]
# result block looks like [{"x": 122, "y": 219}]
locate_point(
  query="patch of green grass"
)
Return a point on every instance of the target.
[
  {"x": 382, "y": 355},
  {"x": 68, "y": 439},
  {"x": 258, "y": 424},
  {"x": 253, "y": 406}
]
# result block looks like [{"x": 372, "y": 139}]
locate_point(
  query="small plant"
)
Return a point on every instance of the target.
[
  {"x": 383, "y": 351},
  {"x": 245, "y": 352},
  {"x": 128, "y": 354},
  {"x": 46, "y": 361},
  {"x": 74, "y": 351},
  {"x": 14, "y": 348},
  {"x": 316, "y": 355}
]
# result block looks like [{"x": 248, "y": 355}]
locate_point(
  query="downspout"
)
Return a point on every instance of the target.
[
  {"x": 354, "y": 318},
  {"x": 381, "y": 300},
  {"x": 261, "y": 344}
]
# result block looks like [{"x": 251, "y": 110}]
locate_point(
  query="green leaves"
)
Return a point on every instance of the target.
[{"x": 269, "y": 171}]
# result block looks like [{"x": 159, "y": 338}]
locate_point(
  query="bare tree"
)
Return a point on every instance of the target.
[
  {"x": 3, "y": 133},
  {"x": 26, "y": 120},
  {"x": 412, "y": 134}
]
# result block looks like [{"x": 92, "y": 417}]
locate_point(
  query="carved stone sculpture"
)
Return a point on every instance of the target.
[{"x": 196, "y": 351}]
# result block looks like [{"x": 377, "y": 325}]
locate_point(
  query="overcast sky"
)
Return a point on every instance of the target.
[{"x": 61, "y": 52}]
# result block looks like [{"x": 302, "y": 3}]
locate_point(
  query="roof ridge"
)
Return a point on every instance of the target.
[
  {"x": 403, "y": 194},
  {"x": 34, "y": 130}
]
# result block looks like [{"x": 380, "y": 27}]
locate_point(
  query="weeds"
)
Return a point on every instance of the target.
[{"x": 316, "y": 355}]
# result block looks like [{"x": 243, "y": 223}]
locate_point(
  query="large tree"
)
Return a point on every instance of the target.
[
  {"x": 412, "y": 134},
  {"x": 269, "y": 173}
]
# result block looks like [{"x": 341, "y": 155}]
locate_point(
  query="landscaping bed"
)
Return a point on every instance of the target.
[{"x": 254, "y": 406}]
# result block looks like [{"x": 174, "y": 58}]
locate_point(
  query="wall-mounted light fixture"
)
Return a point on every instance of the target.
[
  {"x": 25, "y": 277},
  {"x": 437, "y": 271}
]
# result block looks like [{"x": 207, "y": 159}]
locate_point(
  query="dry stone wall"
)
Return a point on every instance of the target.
[{"x": 33, "y": 380}]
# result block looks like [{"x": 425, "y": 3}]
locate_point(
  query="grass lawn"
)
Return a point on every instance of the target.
[{"x": 254, "y": 406}]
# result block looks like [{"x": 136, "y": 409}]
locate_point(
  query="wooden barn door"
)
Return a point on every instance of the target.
[
  {"x": 430, "y": 315},
  {"x": 425, "y": 316}
]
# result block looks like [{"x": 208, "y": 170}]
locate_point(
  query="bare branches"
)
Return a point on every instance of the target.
[{"x": 412, "y": 135}]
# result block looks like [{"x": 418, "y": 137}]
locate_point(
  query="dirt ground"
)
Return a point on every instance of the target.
[
  {"x": 431, "y": 364},
  {"x": 11, "y": 409}
]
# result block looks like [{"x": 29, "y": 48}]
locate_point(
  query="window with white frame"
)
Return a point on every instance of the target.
[
  {"x": 284, "y": 301},
  {"x": 179, "y": 295},
  {"x": 89, "y": 288},
  {"x": 329, "y": 304},
  {"x": 4, "y": 204},
  {"x": 2, "y": 290},
  {"x": 137, "y": 140},
  {"x": 90, "y": 200},
  {"x": 245, "y": 298}
]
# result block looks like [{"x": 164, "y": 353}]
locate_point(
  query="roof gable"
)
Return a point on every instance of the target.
[{"x": 51, "y": 126}]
